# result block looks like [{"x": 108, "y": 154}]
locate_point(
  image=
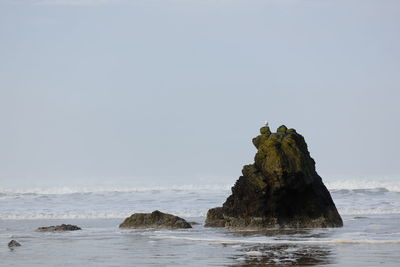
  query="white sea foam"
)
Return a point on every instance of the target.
[
  {"x": 76, "y": 215},
  {"x": 391, "y": 184},
  {"x": 86, "y": 190},
  {"x": 181, "y": 200},
  {"x": 272, "y": 242},
  {"x": 254, "y": 253},
  {"x": 368, "y": 211},
  {"x": 50, "y": 216},
  {"x": 184, "y": 214},
  {"x": 351, "y": 184}
]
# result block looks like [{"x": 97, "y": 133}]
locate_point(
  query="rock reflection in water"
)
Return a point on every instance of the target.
[
  {"x": 283, "y": 255},
  {"x": 286, "y": 234}
]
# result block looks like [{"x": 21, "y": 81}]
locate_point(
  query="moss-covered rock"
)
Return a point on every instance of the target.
[
  {"x": 281, "y": 188},
  {"x": 156, "y": 219},
  {"x": 281, "y": 129},
  {"x": 265, "y": 130}
]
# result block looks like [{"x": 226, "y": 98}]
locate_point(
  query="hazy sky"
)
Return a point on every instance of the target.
[{"x": 172, "y": 88}]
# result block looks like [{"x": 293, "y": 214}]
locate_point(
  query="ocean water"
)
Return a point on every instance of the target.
[{"x": 370, "y": 236}]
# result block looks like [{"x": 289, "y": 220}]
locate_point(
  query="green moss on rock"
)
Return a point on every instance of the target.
[
  {"x": 282, "y": 129},
  {"x": 265, "y": 130}
]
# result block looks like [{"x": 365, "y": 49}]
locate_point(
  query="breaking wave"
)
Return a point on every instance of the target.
[
  {"x": 273, "y": 242},
  {"x": 88, "y": 190},
  {"x": 360, "y": 185},
  {"x": 352, "y": 197},
  {"x": 335, "y": 186}
]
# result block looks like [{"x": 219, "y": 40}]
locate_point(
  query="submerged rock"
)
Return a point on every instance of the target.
[
  {"x": 280, "y": 189},
  {"x": 156, "y": 219},
  {"x": 13, "y": 244},
  {"x": 59, "y": 228}
]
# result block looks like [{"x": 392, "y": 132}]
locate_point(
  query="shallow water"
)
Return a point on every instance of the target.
[
  {"x": 370, "y": 236},
  {"x": 363, "y": 241}
]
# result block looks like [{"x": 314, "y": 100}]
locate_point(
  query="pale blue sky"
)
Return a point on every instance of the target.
[{"x": 167, "y": 88}]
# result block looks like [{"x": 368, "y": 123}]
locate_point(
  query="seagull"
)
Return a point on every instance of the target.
[{"x": 266, "y": 123}]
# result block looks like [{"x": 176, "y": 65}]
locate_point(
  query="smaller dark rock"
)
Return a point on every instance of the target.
[
  {"x": 59, "y": 228},
  {"x": 156, "y": 219},
  {"x": 215, "y": 218},
  {"x": 13, "y": 244}
]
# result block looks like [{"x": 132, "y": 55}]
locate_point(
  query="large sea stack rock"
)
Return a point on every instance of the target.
[
  {"x": 156, "y": 219},
  {"x": 281, "y": 189}
]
